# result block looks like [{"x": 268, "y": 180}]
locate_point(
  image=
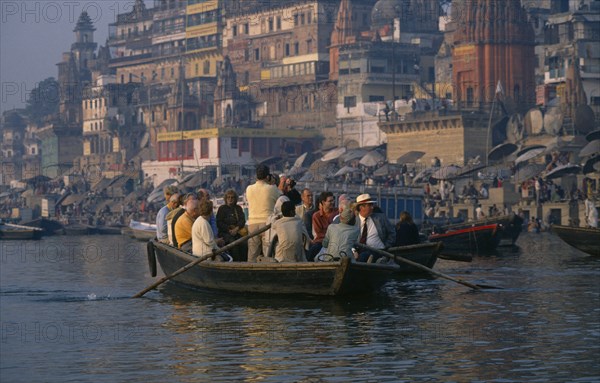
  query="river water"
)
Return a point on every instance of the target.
[{"x": 66, "y": 316}]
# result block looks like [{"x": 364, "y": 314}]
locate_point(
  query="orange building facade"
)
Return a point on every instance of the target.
[{"x": 494, "y": 43}]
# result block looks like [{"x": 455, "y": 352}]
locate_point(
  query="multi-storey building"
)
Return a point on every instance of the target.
[
  {"x": 385, "y": 55},
  {"x": 112, "y": 129},
  {"x": 571, "y": 55},
  {"x": 493, "y": 43},
  {"x": 12, "y": 129},
  {"x": 280, "y": 56}
]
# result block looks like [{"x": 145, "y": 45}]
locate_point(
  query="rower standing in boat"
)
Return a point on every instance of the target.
[{"x": 261, "y": 198}]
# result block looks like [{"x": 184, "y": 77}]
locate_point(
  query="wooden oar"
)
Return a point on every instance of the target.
[
  {"x": 419, "y": 266},
  {"x": 201, "y": 259}
]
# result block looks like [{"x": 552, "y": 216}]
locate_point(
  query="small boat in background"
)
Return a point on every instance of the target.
[
  {"x": 510, "y": 226},
  {"x": 476, "y": 240},
  {"x": 142, "y": 231},
  {"x": 49, "y": 226},
  {"x": 79, "y": 229},
  {"x": 581, "y": 238},
  {"x": 9, "y": 231}
]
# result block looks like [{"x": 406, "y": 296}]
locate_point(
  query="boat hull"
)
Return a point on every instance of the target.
[
  {"x": 584, "y": 239},
  {"x": 321, "y": 278},
  {"x": 476, "y": 240},
  {"x": 10, "y": 231}
]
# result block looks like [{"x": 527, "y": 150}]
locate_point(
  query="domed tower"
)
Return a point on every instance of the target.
[
  {"x": 84, "y": 46},
  {"x": 493, "y": 43}
]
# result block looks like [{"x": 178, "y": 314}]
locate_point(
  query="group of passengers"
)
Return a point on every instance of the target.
[{"x": 298, "y": 230}]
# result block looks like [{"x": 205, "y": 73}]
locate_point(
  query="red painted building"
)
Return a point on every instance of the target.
[{"x": 493, "y": 42}]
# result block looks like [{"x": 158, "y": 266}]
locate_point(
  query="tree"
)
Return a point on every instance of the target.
[{"x": 43, "y": 100}]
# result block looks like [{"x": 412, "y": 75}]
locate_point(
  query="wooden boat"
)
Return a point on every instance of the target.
[
  {"x": 10, "y": 231},
  {"x": 49, "y": 226},
  {"x": 308, "y": 278},
  {"x": 581, "y": 238},
  {"x": 142, "y": 231},
  {"x": 510, "y": 226},
  {"x": 109, "y": 229},
  {"x": 79, "y": 229},
  {"x": 425, "y": 254},
  {"x": 471, "y": 240}
]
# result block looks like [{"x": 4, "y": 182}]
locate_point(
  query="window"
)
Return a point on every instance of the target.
[
  {"x": 309, "y": 18},
  {"x": 246, "y": 29},
  {"x": 256, "y": 54},
  {"x": 309, "y": 46},
  {"x": 206, "y": 69},
  {"x": 270, "y": 24},
  {"x": 296, "y": 49},
  {"x": 245, "y": 145},
  {"x": 296, "y": 20},
  {"x": 470, "y": 96},
  {"x": 278, "y": 23},
  {"x": 196, "y": 69},
  {"x": 234, "y": 30},
  {"x": 246, "y": 55},
  {"x": 172, "y": 72},
  {"x": 164, "y": 115},
  {"x": 377, "y": 69},
  {"x": 376, "y": 98},
  {"x": 204, "y": 148},
  {"x": 152, "y": 116},
  {"x": 162, "y": 73},
  {"x": 349, "y": 102},
  {"x": 287, "y": 50},
  {"x": 130, "y": 77},
  {"x": 302, "y": 18},
  {"x": 234, "y": 143}
]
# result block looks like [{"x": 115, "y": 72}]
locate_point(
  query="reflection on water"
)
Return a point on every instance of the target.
[{"x": 66, "y": 315}]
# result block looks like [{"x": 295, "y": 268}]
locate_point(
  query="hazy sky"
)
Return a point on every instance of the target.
[{"x": 35, "y": 33}]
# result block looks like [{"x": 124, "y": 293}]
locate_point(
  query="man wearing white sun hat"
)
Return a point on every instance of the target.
[{"x": 375, "y": 229}]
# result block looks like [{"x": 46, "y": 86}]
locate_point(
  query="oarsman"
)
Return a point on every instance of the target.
[{"x": 261, "y": 198}]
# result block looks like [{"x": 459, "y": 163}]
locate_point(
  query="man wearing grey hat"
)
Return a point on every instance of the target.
[
  {"x": 340, "y": 238},
  {"x": 375, "y": 229}
]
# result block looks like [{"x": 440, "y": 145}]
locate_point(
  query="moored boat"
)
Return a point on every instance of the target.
[
  {"x": 311, "y": 278},
  {"x": 470, "y": 240},
  {"x": 581, "y": 238},
  {"x": 10, "y": 231},
  {"x": 510, "y": 226},
  {"x": 142, "y": 231},
  {"x": 49, "y": 226}
]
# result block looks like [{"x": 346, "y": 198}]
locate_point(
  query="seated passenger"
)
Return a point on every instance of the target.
[
  {"x": 290, "y": 236},
  {"x": 183, "y": 226},
  {"x": 340, "y": 238},
  {"x": 203, "y": 237},
  {"x": 407, "y": 232}
]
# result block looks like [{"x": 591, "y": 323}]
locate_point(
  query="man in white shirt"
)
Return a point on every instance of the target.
[{"x": 261, "y": 198}]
